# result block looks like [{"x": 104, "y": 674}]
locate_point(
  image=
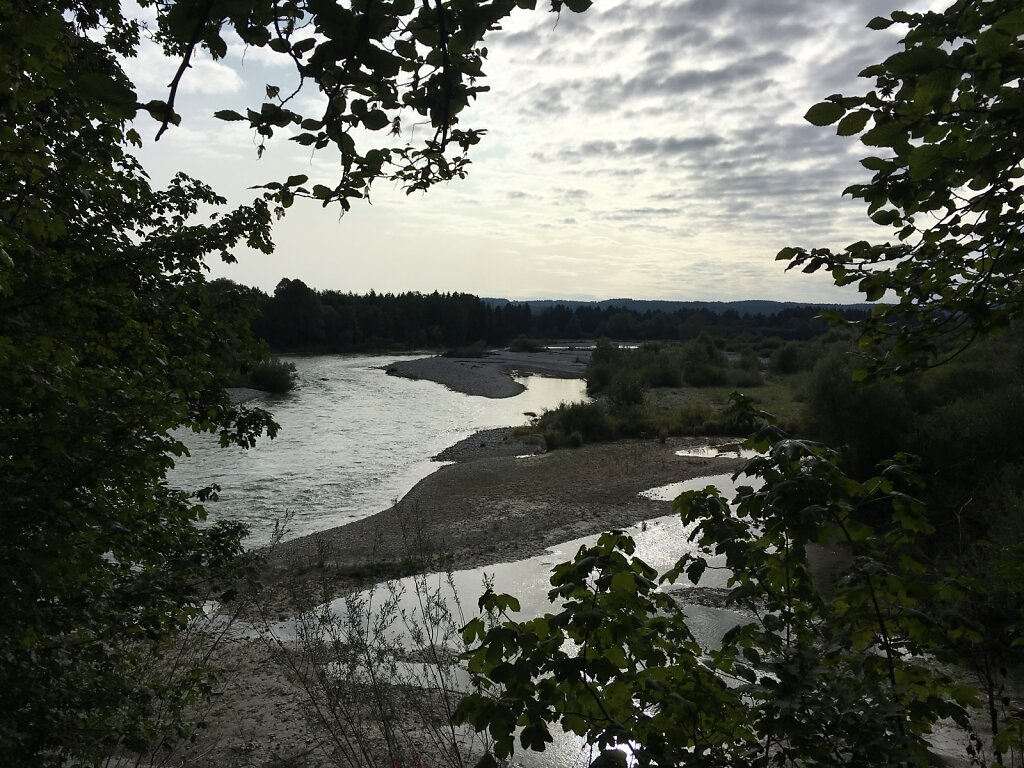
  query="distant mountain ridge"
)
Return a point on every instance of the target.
[{"x": 747, "y": 307}]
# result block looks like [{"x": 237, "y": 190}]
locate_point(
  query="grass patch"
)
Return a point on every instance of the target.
[
  {"x": 524, "y": 344},
  {"x": 665, "y": 412},
  {"x": 782, "y": 396}
]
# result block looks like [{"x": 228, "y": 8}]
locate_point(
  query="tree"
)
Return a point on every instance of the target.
[
  {"x": 373, "y": 60},
  {"x": 944, "y": 118},
  {"x": 821, "y": 671},
  {"x": 818, "y": 672},
  {"x": 110, "y": 340}
]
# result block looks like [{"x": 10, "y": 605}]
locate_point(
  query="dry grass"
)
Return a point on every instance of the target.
[{"x": 781, "y": 396}]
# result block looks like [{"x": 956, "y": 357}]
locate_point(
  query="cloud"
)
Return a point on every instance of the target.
[
  {"x": 632, "y": 214},
  {"x": 152, "y": 71},
  {"x": 646, "y": 147},
  {"x": 211, "y": 77}
]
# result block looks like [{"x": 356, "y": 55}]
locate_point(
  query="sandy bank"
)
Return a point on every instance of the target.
[
  {"x": 488, "y": 507},
  {"x": 491, "y": 376},
  {"x": 502, "y": 508}
]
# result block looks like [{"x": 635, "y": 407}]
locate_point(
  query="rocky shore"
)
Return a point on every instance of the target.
[
  {"x": 491, "y": 505},
  {"x": 500, "y": 500}
]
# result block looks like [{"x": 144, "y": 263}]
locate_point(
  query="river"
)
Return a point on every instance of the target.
[{"x": 352, "y": 441}]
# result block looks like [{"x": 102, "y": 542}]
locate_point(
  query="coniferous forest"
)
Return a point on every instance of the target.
[{"x": 297, "y": 318}]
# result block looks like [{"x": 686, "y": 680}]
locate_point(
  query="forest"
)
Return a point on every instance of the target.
[{"x": 297, "y": 318}]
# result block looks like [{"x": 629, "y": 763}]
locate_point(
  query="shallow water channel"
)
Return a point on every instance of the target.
[{"x": 659, "y": 543}]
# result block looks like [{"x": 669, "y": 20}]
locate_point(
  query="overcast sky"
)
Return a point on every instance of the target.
[{"x": 646, "y": 149}]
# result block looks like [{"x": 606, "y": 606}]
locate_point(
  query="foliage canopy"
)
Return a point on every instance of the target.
[
  {"x": 942, "y": 123},
  {"x": 110, "y": 339}
]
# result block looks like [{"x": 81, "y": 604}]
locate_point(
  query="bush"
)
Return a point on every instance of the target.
[
  {"x": 627, "y": 389},
  {"x": 476, "y": 349},
  {"x": 524, "y": 344},
  {"x": 868, "y": 421},
  {"x": 274, "y": 376}
]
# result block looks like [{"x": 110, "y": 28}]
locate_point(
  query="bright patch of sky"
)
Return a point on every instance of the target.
[{"x": 646, "y": 149}]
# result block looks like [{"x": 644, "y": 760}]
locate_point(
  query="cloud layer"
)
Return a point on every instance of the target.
[{"x": 649, "y": 148}]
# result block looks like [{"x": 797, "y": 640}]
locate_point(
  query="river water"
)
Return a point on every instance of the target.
[{"x": 352, "y": 441}]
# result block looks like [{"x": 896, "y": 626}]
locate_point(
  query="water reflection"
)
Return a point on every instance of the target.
[{"x": 719, "y": 451}]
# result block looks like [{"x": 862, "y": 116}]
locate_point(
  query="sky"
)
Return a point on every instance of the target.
[{"x": 649, "y": 149}]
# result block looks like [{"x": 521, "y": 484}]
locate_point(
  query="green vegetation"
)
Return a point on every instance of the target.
[
  {"x": 697, "y": 363},
  {"x": 297, "y": 318},
  {"x": 523, "y": 344},
  {"x": 941, "y": 124},
  {"x": 111, "y": 339},
  {"x": 275, "y": 376},
  {"x": 477, "y": 349},
  {"x": 920, "y": 617},
  {"x": 665, "y": 389}
]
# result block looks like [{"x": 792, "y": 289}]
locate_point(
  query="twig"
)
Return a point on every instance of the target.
[{"x": 186, "y": 62}]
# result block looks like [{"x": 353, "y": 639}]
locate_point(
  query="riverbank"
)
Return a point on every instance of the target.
[
  {"x": 489, "y": 506},
  {"x": 495, "y": 505},
  {"x": 492, "y": 375}
]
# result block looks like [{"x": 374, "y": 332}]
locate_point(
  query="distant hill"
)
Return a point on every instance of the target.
[{"x": 748, "y": 307}]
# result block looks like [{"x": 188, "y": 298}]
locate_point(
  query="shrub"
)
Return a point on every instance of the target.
[
  {"x": 273, "y": 375},
  {"x": 476, "y": 349},
  {"x": 524, "y": 344},
  {"x": 626, "y": 389},
  {"x": 868, "y": 421}
]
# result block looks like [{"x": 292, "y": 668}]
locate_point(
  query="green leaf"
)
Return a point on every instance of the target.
[
  {"x": 228, "y": 114},
  {"x": 917, "y": 61},
  {"x": 376, "y": 119},
  {"x": 853, "y": 123},
  {"x": 885, "y": 134},
  {"x": 874, "y": 163},
  {"x": 610, "y": 758},
  {"x": 824, "y": 113},
  {"x": 487, "y": 760},
  {"x": 161, "y": 111},
  {"x": 880, "y": 23}
]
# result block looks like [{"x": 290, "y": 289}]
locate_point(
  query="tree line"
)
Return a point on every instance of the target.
[{"x": 297, "y": 318}]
